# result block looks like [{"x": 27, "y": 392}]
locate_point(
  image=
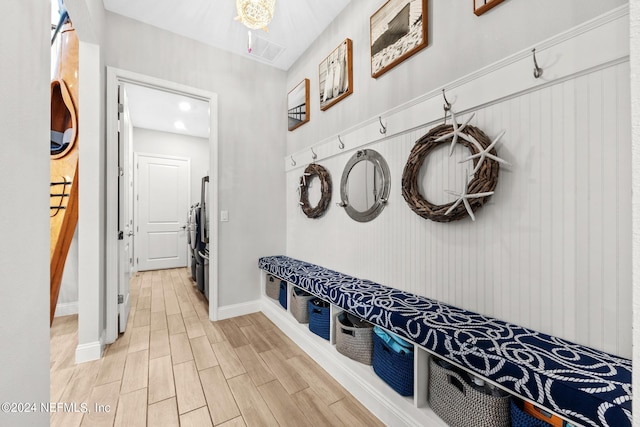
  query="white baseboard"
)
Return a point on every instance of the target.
[
  {"x": 66, "y": 309},
  {"x": 90, "y": 351},
  {"x": 228, "y": 311},
  {"x": 360, "y": 380}
]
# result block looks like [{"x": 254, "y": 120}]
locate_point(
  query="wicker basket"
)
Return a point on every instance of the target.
[
  {"x": 299, "y": 302},
  {"x": 319, "y": 317},
  {"x": 282, "y": 295},
  {"x": 272, "y": 288},
  {"x": 396, "y": 369},
  {"x": 354, "y": 338},
  {"x": 460, "y": 405}
]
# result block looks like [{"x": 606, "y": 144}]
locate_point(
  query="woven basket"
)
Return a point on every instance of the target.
[
  {"x": 519, "y": 418},
  {"x": 354, "y": 338},
  {"x": 272, "y": 288},
  {"x": 396, "y": 369},
  {"x": 282, "y": 294},
  {"x": 300, "y": 305},
  {"x": 319, "y": 317},
  {"x": 460, "y": 405}
]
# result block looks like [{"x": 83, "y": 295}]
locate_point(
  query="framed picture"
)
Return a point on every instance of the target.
[
  {"x": 397, "y": 30},
  {"x": 336, "y": 75},
  {"x": 482, "y": 6},
  {"x": 298, "y": 105}
]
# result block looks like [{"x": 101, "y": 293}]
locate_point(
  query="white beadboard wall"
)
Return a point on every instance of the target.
[{"x": 552, "y": 249}]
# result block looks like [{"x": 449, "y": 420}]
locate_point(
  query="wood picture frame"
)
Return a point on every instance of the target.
[
  {"x": 335, "y": 75},
  {"x": 482, "y": 6},
  {"x": 298, "y": 105},
  {"x": 397, "y": 31}
]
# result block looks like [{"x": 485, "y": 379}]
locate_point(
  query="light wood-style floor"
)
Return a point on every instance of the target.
[{"x": 174, "y": 367}]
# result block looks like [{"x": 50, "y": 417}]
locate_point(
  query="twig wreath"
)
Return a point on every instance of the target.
[
  {"x": 325, "y": 190},
  {"x": 478, "y": 190}
]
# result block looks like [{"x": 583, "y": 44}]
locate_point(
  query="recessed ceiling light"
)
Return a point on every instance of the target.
[
  {"x": 179, "y": 125},
  {"x": 184, "y": 106}
]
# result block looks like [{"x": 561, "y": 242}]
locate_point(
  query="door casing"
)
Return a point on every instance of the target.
[{"x": 115, "y": 77}]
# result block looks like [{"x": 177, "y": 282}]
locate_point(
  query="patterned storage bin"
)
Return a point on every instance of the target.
[
  {"x": 393, "y": 362},
  {"x": 354, "y": 338},
  {"x": 272, "y": 288},
  {"x": 282, "y": 295},
  {"x": 319, "y": 317},
  {"x": 299, "y": 302},
  {"x": 459, "y": 404}
]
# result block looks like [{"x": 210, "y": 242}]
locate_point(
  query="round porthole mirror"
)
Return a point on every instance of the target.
[{"x": 365, "y": 185}]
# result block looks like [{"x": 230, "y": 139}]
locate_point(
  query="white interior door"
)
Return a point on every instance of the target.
[
  {"x": 163, "y": 204},
  {"x": 125, "y": 209}
]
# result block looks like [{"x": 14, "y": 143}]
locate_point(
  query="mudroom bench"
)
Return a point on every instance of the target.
[{"x": 580, "y": 384}]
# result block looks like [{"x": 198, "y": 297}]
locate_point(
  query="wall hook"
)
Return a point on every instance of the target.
[
  {"x": 293, "y": 162},
  {"x": 340, "y": 143},
  {"x": 537, "y": 71},
  {"x": 446, "y": 106},
  {"x": 313, "y": 154},
  {"x": 383, "y": 130}
]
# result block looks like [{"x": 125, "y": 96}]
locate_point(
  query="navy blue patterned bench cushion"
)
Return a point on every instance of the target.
[{"x": 585, "y": 385}]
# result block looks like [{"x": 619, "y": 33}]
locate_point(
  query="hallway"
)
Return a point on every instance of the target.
[{"x": 174, "y": 367}]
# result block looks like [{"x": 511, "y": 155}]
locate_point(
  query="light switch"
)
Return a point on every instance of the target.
[{"x": 224, "y": 216}]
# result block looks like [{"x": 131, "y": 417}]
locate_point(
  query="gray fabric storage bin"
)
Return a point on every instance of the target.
[
  {"x": 272, "y": 288},
  {"x": 354, "y": 338}
]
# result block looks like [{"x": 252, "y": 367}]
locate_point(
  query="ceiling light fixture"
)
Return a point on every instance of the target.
[
  {"x": 184, "y": 106},
  {"x": 255, "y": 14},
  {"x": 179, "y": 125}
]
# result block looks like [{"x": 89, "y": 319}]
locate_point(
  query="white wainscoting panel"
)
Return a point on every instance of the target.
[{"x": 552, "y": 249}]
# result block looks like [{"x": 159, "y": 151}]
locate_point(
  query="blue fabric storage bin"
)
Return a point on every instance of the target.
[
  {"x": 519, "y": 418},
  {"x": 282, "y": 296},
  {"x": 394, "y": 368},
  {"x": 319, "y": 317}
]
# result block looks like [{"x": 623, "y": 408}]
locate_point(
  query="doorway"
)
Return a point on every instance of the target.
[{"x": 117, "y": 283}]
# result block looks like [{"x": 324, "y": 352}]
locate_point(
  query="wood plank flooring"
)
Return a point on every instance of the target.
[{"x": 174, "y": 367}]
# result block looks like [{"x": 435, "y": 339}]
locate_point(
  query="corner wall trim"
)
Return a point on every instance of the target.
[
  {"x": 90, "y": 351},
  {"x": 233, "y": 310},
  {"x": 66, "y": 309}
]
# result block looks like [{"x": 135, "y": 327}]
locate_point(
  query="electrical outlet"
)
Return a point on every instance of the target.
[{"x": 224, "y": 216}]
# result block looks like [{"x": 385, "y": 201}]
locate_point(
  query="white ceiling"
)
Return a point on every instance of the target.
[
  {"x": 159, "y": 110},
  {"x": 295, "y": 25}
]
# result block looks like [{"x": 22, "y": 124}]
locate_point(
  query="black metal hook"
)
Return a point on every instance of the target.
[
  {"x": 313, "y": 154},
  {"x": 537, "y": 71},
  {"x": 384, "y": 128}
]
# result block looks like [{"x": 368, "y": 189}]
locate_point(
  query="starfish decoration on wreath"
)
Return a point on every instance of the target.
[
  {"x": 484, "y": 153},
  {"x": 464, "y": 198},
  {"x": 303, "y": 182},
  {"x": 457, "y": 132}
]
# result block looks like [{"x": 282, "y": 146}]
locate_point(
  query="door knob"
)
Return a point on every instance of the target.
[{"x": 130, "y": 234}]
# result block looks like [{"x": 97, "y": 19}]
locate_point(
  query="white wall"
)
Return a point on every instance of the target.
[
  {"x": 68, "y": 296},
  {"x": 24, "y": 223},
  {"x": 173, "y": 144},
  {"x": 552, "y": 251},
  {"x": 252, "y": 126},
  {"x": 459, "y": 43},
  {"x": 635, "y": 137}
]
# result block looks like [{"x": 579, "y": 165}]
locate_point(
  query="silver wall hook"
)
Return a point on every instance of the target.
[
  {"x": 446, "y": 106},
  {"x": 313, "y": 154},
  {"x": 340, "y": 143},
  {"x": 293, "y": 162},
  {"x": 383, "y": 130},
  {"x": 537, "y": 71}
]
